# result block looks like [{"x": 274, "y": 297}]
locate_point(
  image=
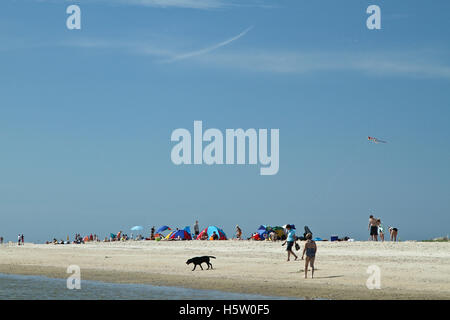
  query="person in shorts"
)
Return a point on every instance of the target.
[
  {"x": 373, "y": 228},
  {"x": 290, "y": 240}
]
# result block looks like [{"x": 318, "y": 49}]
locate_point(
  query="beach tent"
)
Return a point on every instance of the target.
[
  {"x": 183, "y": 234},
  {"x": 210, "y": 230},
  {"x": 262, "y": 232}
]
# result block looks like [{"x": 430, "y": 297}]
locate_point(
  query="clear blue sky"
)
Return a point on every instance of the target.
[{"x": 86, "y": 115}]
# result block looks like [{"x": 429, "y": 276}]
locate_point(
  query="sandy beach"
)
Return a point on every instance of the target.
[{"x": 409, "y": 270}]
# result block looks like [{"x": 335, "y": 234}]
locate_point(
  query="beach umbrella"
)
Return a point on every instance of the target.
[
  {"x": 279, "y": 231},
  {"x": 163, "y": 228},
  {"x": 137, "y": 228},
  {"x": 262, "y": 228}
]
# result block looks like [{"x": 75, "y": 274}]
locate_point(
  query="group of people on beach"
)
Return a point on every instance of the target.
[
  {"x": 310, "y": 248},
  {"x": 204, "y": 236},
  {"x": 376, "y": 228},
  {"x": 20, "y": 239}
]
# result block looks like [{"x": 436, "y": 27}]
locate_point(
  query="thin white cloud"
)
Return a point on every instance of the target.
[
  {"x": 142, "y": 48},
  {"x": 208, "y": 49}
]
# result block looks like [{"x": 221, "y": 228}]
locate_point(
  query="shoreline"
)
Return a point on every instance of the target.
[{"x": 409, "y": 270}]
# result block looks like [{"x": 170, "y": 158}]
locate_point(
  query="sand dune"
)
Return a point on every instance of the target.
[{"x": 409, "y": 270}]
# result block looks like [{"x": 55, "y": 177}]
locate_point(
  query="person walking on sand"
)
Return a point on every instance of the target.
[
  {"x": 21, "y": 238},
  {"x": 18, "y": 239},
  {"x": 373, "y": 228},
  {"x": 290, "y": 240},
  {"x": 310, "y": 250}
]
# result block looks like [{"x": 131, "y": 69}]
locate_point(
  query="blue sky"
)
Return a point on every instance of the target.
[{"x": 86, "y": 115}]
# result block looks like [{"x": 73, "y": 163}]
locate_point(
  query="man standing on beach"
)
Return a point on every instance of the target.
[
  {"x": 152, "y": 233},
  {"x": 18, "y": 239},
  {"x": 196, "y": 230},
  {"x": 373, "y": 228}
]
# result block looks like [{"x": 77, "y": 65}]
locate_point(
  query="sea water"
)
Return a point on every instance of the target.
[{"x": 19, "y": 287}]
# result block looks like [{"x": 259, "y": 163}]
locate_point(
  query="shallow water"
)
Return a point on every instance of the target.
[{"x": 19, "y": 287}]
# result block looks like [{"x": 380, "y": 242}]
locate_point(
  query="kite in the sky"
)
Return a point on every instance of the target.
[{"x": 376, "y": 140}]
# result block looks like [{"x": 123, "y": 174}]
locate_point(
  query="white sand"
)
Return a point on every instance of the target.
[{"x": 409, "y": 270}]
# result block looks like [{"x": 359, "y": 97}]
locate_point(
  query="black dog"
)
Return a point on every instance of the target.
[{"x": 199, "y": 260}]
